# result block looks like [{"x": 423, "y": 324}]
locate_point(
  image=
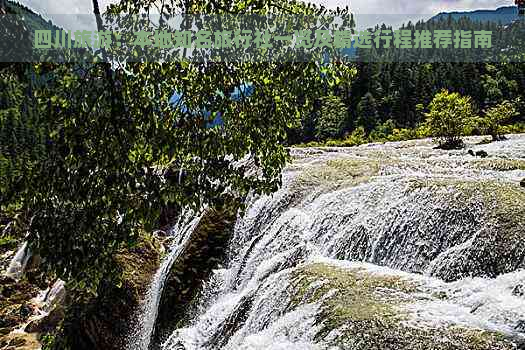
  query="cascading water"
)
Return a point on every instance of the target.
[
  {"x": 142, "y": 330},
  {"x": 18, "y": 264},
  {"x": 428, "y": 217}
]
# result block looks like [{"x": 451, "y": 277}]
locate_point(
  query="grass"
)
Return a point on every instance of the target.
[{"x": 8, "y": 243}]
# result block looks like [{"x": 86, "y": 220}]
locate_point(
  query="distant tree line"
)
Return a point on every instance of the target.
[{"x": 394, "y": 96}]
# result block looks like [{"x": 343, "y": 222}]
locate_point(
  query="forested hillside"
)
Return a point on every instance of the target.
[
  {"x": 394, "y": 87},
  {"x": 502, "y": 15},
  {"x": 32, "y": 20}
]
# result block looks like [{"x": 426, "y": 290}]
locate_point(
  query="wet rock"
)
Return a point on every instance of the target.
[
  {"x": 499, "y": 164},
  {"x": 33, "y": 262},
  {"x": 476, "y": 307},
  {"x": 25, "y": 311},
  {"x": 15, "y": 302},
  {"x": 440, "y": 295},
  {"x": 494, "y": 249},
  {"x": 482, "y": 154},
  {"x": 376, "y": 307},
  {"x": 45, "y": 323},
  {"x": 168, "y": 242},
  {"x": 43, "y": 313},
  {"x": 5, "y": 259},
  {"x": 7, "y": 284},
  {"x": 520, "y": 326},
  {"x": 522, "y": 183},
  {"x": 519, "y": 290},
  {"x": 203, "y": 252},
  {"x": 53, "y": 297},
  {"x": 178, "y": 346},
  {"x": 20, "y": 341},
  {"x": 103, "y": 322},
  {"x": 160, "y": 233},
  {"x": 471, "y": 152}
]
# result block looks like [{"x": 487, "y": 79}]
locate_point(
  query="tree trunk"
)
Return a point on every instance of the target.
[
  {"x": 96, "y": 11},
  {"x": 100, "y": 28}
]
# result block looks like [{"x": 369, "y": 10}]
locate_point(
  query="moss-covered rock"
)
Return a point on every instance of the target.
[
  {"x": 365, "y": 311},
  {"x": 499, "y": 164},
  {"x": 336, "y": 173},
  {"x": 102, "y": 324},
  {"x": 328, "y": 175},
  {"x": 205, "y": 249},
  {"x": 499, "y": 244},
  {"x": 15, "y": 305}
]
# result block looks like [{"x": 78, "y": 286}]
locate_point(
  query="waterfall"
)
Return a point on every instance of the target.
[
  {"x": 436, "y": 220},
  {"x": 18, "y": 264},
  {"x": 53, "y": 296},
  {"x": 142, "y": 330}
]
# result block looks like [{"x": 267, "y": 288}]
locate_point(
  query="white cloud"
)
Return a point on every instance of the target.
[
  {"x": 69, "y": 14},
  {"x": 64, "y": 6},
  {"x": 391, "y": 12},
  {"x": 395, "y": 12},
  {"x": 408, "y": 7}
]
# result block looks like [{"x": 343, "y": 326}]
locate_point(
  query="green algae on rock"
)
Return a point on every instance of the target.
[
  {"x": 103, "y": 322},
  {"x": 336, "y": 173},
  {"x": 360, "y": 310},
  {"x": 500, "y": 164},
  {"x": 499, "y": 243}
]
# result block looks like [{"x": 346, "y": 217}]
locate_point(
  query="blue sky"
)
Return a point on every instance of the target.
[{"x": 397, "y": 10}]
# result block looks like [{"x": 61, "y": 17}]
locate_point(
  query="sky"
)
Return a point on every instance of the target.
[{"x": 368, "y": 12}]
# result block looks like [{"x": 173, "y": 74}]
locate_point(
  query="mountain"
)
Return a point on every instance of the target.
[
  {"x": 21, "y": 28},
  {"x": 504, "y": 15},
  {"x": 32, "y": 20}
]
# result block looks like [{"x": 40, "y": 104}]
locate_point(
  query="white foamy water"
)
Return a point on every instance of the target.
[
  {"x": 142, "y": 329},
  {"x": 18, "y": 264},
  {"x": 406, "y": 217}
]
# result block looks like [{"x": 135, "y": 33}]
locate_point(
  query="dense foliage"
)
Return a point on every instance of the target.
[
  {"x": 447, "y": 117},
  {"x": 400, "y": 87},
  {"x": 93, "y": 154},
  {"x": 332, "y": 115},
  {"x": 496, "y": 116}
]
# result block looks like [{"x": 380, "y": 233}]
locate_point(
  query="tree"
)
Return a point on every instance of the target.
[
  {"x": 496, "y": 116},
  {"x": 497, "y": 86},
  {"x": 116, "y": 153},
  {"x": 367, "y": 115},
  {"x": 448, "y": 115},
  {"x": 332, "y": 117}
]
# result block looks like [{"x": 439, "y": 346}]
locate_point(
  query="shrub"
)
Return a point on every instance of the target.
[
  {"x": 496, "y": 116},
  {"x": 513, "y": 128},
  {"x": 356, "y": 138},
  {"x": 448, "y": 115},
  {"x": 383, "y": 131}
]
